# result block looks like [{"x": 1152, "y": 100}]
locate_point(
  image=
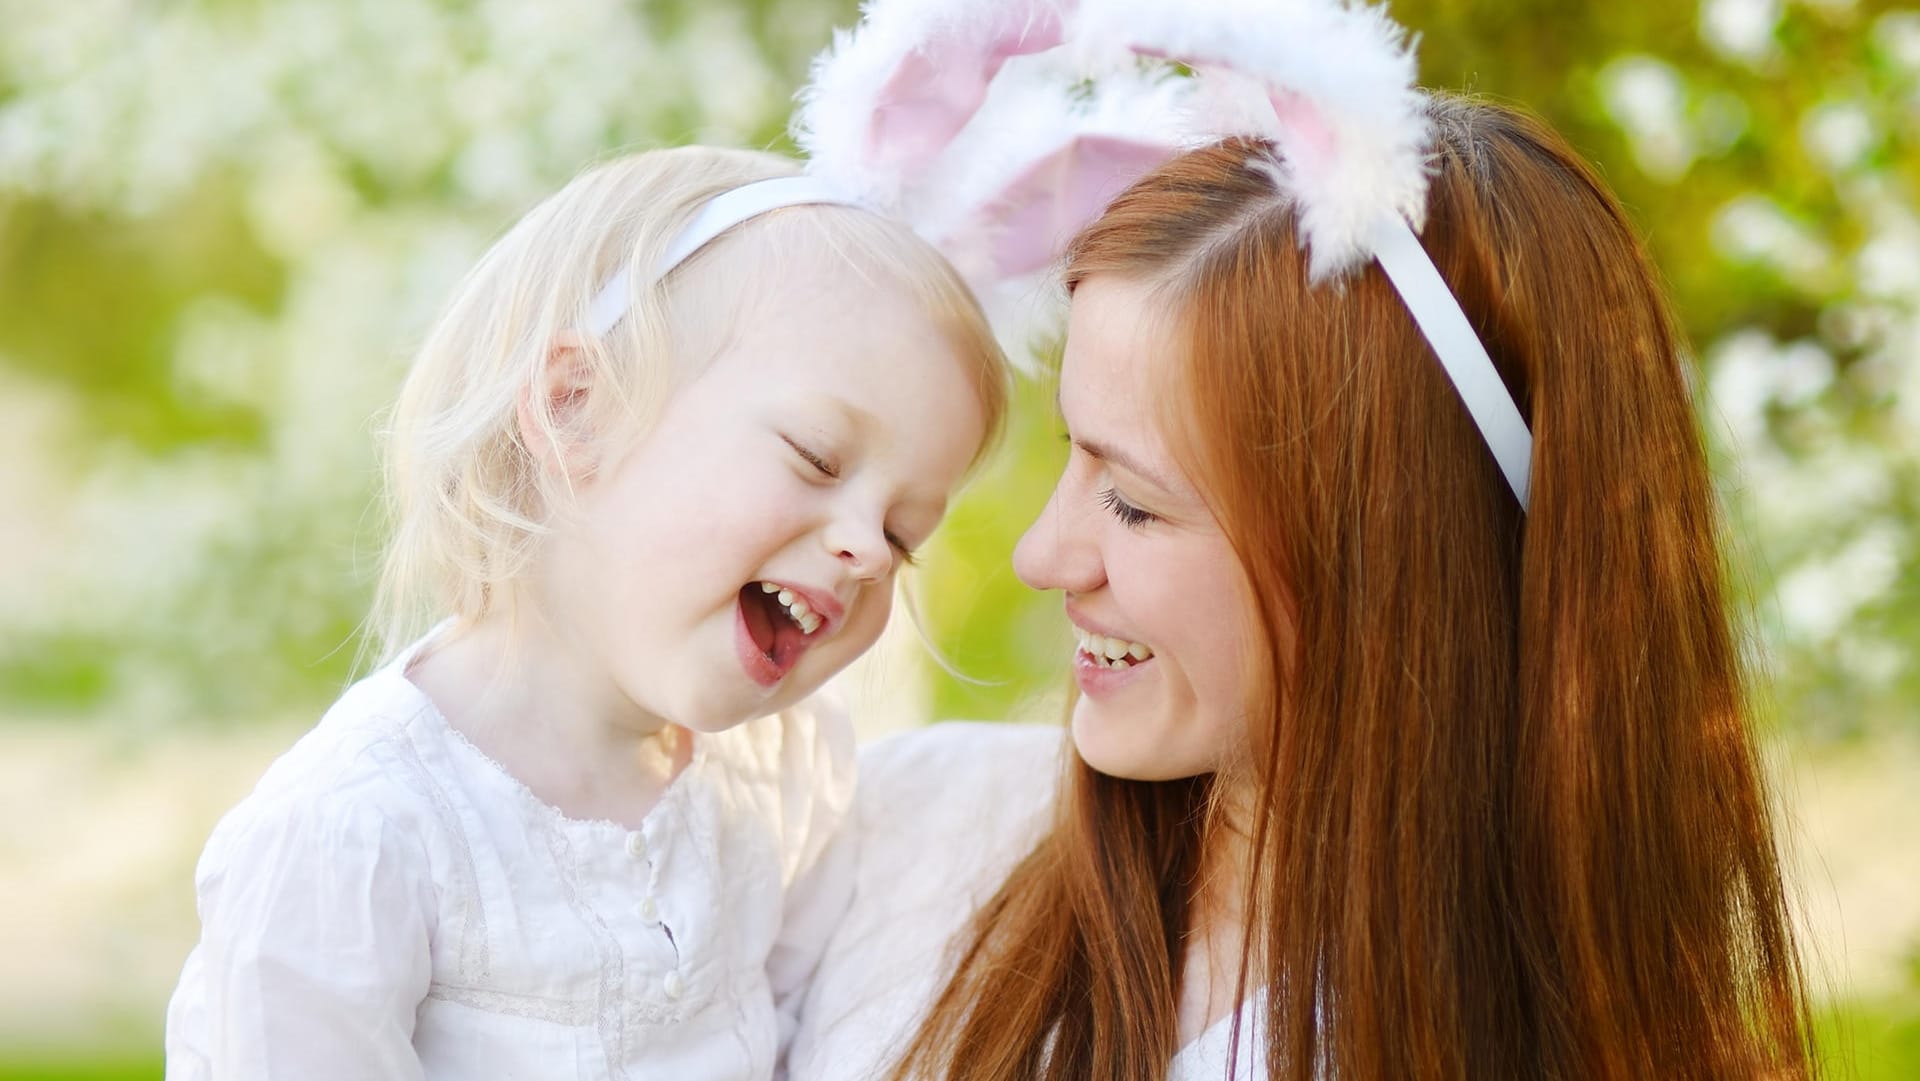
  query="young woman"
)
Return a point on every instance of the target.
[{"x": 1382, "y": 764}]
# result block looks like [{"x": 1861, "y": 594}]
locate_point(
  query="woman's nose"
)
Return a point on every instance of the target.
[{"x": 1056, "y": 553}]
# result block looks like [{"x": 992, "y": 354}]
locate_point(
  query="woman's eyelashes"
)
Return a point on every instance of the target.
[
  {"x": 1130, "y": 516},
  {"x": 831, "y": 471}
]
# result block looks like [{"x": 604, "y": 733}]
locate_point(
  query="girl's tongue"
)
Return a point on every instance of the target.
[
  {"x": 773, "y": 633},
  {"x": 758, "y": 608}
]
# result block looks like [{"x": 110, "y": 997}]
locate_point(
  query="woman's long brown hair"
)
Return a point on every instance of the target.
[{"x": 1510, "y": 820}]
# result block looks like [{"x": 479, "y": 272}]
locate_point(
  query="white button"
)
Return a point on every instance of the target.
[
  {"x": 674, "y": 985},
  {"x": 649, "y": 911},
  {"x": 636, "y": 846}
]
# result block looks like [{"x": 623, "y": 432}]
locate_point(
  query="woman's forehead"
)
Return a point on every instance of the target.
[{"x": 1118, "y": 340}]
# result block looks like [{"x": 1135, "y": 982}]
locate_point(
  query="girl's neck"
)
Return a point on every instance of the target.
[{"x": 536, "y": 705}]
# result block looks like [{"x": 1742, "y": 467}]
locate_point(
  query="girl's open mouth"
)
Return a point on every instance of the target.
[{"x": 776, "y": 627}]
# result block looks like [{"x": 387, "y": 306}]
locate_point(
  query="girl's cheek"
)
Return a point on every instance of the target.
[{"x": 875, "y": 606}]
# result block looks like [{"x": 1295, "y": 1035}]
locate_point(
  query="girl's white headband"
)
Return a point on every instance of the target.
[
  {"x": 721, "y": 213},
  {"x": 999, "y": 128}
]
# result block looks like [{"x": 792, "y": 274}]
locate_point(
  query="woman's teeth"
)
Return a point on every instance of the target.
[
  {"x": 1111, "y": 652},
  {"x": 802, "y": 616}
]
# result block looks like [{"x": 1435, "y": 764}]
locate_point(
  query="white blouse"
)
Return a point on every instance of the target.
[
  {"x": 942, "y": 817},
  {"x": 390, "y": 903}
]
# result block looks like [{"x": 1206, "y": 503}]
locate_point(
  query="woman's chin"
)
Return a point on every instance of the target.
[{"x": 1132, "y": 748}]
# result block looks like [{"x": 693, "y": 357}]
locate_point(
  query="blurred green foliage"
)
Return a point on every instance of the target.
[
  {"x": 85, "y": 1069},
  {"x": 222, "y": 223}
]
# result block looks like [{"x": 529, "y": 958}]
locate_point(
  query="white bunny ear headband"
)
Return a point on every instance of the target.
[{"x": 998, "y": 128}]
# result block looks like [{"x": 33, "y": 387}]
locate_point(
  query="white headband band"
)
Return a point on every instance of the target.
[
  {"x": 721, "y": 213},
  {"x": 1437, "y": 312}
]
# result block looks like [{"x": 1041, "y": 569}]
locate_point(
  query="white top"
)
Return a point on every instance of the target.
[
  {"x": 942, "y": 816},
  {"x": 389, "y": 903}
]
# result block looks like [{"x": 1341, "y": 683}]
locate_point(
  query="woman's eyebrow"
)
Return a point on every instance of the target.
[{"x": 1105, "y": 452}]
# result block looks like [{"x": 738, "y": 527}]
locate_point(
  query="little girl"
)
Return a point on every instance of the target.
[{"x": 656, "y": 491}]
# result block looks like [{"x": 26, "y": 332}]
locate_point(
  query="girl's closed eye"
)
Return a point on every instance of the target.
[
  {"x": 1130, "y": 516},
  {"x": 817, "y": 461},
  {"x": 902, "y": 549},
  {"x": 831, "y": 471}
]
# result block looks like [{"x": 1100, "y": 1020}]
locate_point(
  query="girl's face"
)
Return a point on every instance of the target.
[
  {"x": 745, "y": 549},
  {"x": 1155, "y": 594}
]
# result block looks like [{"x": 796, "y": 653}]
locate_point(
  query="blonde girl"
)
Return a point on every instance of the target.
[{"x": 654, "y": 474}]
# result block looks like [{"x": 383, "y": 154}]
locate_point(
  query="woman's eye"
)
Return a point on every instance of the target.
[
  {"x": 826, "y": 468},
  {"x": 1130, "y": 516}
]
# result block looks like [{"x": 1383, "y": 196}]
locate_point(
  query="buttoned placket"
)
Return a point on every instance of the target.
[{"x": 673, "y": 984}]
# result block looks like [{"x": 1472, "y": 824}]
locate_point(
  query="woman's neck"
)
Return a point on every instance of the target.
[
  {"x": 1217, "y": 930},
  {"x": 534, "y": 703}
]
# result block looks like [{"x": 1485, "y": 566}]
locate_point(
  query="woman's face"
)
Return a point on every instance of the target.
[{"x": 1157, "y": 598}]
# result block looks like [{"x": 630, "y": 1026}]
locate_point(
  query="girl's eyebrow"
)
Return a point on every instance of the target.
[
  {"x": 835, "y": 407},
  {"x": 859, "y": 419}
]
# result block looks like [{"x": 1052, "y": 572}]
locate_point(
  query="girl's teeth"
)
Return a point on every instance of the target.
[{"x": 803, "y": 616}]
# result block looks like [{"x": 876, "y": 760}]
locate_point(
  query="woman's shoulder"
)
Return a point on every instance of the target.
[
  {"x": 941, "y": 816},
  {"x": 960, "y": 773}
]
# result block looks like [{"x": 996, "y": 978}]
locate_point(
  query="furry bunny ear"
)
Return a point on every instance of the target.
[
  {"x": 1333, "y": 80},
  {"x": 1339, "y": 97},
  {"x": 888, "y": 97},
  {"x": 1027, "y": 226}
]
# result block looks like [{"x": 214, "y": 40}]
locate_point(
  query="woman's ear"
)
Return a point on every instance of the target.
[{"x": 555, "y": 410}]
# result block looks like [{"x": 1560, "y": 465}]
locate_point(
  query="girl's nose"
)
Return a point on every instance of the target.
[
  {"x": 859, "y": 541},
  {"x": 1056, "y": 553}
]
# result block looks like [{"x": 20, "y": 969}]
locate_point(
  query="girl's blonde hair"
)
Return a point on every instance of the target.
[{"x": 467, "y": 494}]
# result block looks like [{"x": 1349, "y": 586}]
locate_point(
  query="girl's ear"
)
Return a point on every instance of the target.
[{"x": 555, "y": 410}]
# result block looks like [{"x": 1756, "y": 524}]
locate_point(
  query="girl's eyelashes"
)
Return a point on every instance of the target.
[
  {"x": 826, "y": 468},
  {"x": 900, "y": 549},
  {"x": 1130, "y": 516}
]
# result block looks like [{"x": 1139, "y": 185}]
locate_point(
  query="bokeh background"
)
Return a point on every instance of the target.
[{"x": 222, "y": 222}]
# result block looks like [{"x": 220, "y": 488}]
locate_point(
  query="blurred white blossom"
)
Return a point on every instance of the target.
[
  {"x": 1839, "y": 133},
  {"x": 1755, "y": 229},
  {"x": 1741, "y": 29},
  {"x": 1822, "y": 595},
  {"x": 1647, "y": 97}
]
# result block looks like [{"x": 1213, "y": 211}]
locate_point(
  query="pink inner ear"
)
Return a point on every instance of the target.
[
  {"x": 1306, "y": 138},
  {"x": 1031, "y": 220},
  {"x": 938, "y": 87}
]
